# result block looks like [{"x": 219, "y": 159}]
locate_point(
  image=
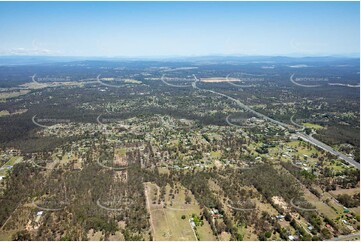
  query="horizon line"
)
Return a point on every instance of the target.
[{"x": 295, "y": 55}]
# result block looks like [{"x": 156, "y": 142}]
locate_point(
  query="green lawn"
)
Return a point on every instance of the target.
[
  {"x": 13, "y": 160},
  {"x": 216, "y": 154},
  {"x": 312, "y": 126}
]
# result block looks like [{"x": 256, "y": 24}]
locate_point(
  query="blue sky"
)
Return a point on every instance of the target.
[{"x": 179, "y": 28}]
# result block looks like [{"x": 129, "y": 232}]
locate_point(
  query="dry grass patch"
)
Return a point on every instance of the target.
[
  {"x": 219, "y": 79},
  {"x": 166, "y": 217}
]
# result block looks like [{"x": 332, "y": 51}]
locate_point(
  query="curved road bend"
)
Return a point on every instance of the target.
[
  {"x": 348, "y": 237},
  {"x": 296, "y": 124},
  {"x": 304, "y": 137},
  {"x": 301, "y": 85}
]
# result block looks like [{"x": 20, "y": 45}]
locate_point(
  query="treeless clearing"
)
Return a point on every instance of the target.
[
  {"x": 320, "y": 206},
  {"x": 11, "y": 94},
  {"x": 280, "y": 202},
  {"x": 218, "y": 163},
  {"x": 7, "y": 113},
  {"x": 94, "y": 236},
  {"x": 355, "y": 210},
  {"x": 249, "y": 233},
  {"x": 219, "y": 79},
  {"x": 7, "y": 235},
  {"x": 167, "y": 222},
  {"x": 350, "y": 191},
  {"x": 119, "y": 155}
]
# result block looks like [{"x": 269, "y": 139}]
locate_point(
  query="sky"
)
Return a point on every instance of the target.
[{"x": 150, "y": 29}]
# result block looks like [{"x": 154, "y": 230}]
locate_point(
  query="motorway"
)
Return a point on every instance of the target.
[
  {"x": 242, "y": 105},
  {"x": 303, "y": 136},
  {"x": 329, "y": 149}
]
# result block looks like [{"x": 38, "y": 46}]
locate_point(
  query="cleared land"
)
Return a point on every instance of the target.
[
  {"x": 312, "y": 126},
  {"x": 12, "y": 94},
  {"x": 166, "y": 217},
  {"x": 219, "y": 79},
  {"x": 350, "y": 191}
]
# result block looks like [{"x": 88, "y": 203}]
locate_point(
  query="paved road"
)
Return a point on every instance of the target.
[
  {"x": 304, "y": 137},
  {"x": 301, "y": 85},
  {"x": 296, "y": 124},
  {"x": 347, "y": 237},
  {"x": 325, "y": 147},
  {"x": 242, "y": 105}
]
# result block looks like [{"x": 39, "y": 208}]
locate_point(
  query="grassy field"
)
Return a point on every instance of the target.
[
  {"x": 216, "y": 154},
  {"x": 120, "y": 152},
  {"x": 355, "y": 210},
  {"x": 4, "y": 113},
  {"x": 320, "y": 206},
  {"x": 350, "y": 191},
  {"x": 301, "y": 150},
  {"x": 166, "y": 218},
  {"x": 163, "y": 170},
  {"x": 7, "y": 235},
  {"x": 11, "y": 162},
  {"x": 224, "y": 236},
  {"x": 312, "y": 126},
  {"x": 249, "y": 233},
  {"x": 12, "y": 94},
  {"x": 132, "y": 81}
]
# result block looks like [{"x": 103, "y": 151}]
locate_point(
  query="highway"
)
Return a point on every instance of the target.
[
  {"x": 329, "y": 149},
  {"x": 242, "y": 105},
  {"x": 303, "y": 136}
]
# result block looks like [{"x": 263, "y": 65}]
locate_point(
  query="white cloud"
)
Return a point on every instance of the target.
[{"x": 28, "y": 51}]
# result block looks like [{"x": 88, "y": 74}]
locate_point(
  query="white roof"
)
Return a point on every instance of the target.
[{"x": 40, "y": 213}]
